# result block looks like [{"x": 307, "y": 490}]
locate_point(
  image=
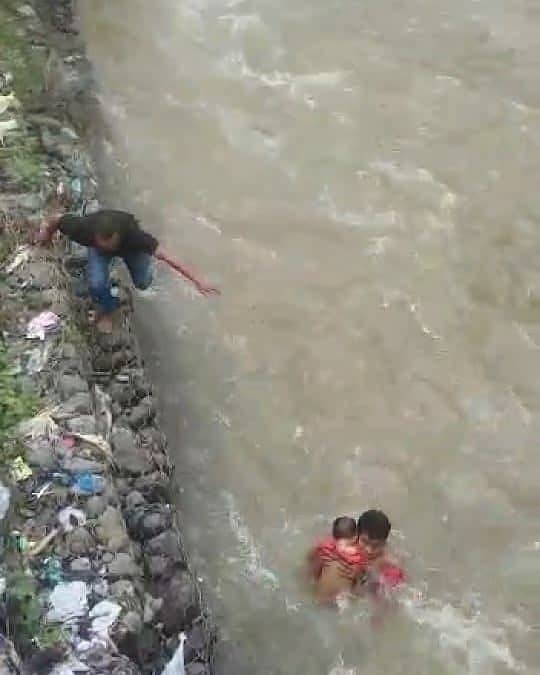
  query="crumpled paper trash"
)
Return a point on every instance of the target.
[
  {"x": 9, "y": 101},
  {"x": 5, "y": 499},
  {"x": 103, "y": 616},
  {"x": 42, "y": 324},
  {"x": 6, "y": 127},
  {"x": 70, "y": 518},
  {"x": 22, "y": 255},
  {"x": 19, "y": 469},
  {"x": 68, "y": 601}
]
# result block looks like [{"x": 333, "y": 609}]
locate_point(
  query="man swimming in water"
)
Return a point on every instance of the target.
[
  {"x": 383, "y": 569},
  {"x": 356, "y": 559}
]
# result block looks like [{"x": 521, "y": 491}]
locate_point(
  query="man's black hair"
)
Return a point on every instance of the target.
[
  {"x": 344, "y": 528},
  {"x": 375, "y": 524}
]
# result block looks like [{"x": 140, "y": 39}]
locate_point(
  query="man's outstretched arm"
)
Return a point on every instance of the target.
[{"x": 203, "y": 288}]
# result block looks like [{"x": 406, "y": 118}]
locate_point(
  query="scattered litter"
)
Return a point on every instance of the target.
[
  {"x": 97, "y": 442},
  {"x": 5, "y": 498},
  {"x": 41, "y": 545},
  {"x": 9, "y": 101},
  {"x": 6, "y": 127},
  {"x": 6, "y": 78},
  {"x": 51, "y": 573},
  {"x": 19, "y": 469},
  {"x": 18, "y": 542},
  {"x": 40, "y": 425},
  {"x": 42, "y": 491},
  {"x": 70, "y": 518},
  {"x": 42, "y": 324},
  {"x": 103, "y": 616},
  {"x": 176, "y": 664},
  {"x": 76, "y": 189},
  {"x": 103, "y": 411},
  {"x": 68, "y": 601},
  {"x": 67, "y": 442},
  {"x": 22, "y": 254},
  {"x": 37, "y": 359},
  {"x": 26, "y": 10},
  {"x": 70, "y": 667},
  {"x": 88, "y": 484}
]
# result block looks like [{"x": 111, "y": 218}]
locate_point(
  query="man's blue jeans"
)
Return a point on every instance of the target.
[{"x": 140, "y": 268}]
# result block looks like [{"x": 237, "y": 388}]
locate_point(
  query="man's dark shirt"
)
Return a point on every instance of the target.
[{"x": 82, "y": 229}]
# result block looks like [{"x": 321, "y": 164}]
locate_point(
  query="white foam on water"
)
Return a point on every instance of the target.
[
  {"x": 251, "y": 558},
  {"x": 235, "y": 66},
  {"x": 240, "y": 23},
  {"x": 380, "y": 219},
  {"x": 470, "y": 640}
]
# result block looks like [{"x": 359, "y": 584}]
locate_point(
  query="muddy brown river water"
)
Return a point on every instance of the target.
[{"x": 361, "y": 179}]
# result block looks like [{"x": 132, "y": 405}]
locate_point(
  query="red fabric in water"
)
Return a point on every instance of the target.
[{"x": 327, "y": 551}]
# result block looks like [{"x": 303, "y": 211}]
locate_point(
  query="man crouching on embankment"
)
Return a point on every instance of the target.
[{"x": 110, "y": 234}]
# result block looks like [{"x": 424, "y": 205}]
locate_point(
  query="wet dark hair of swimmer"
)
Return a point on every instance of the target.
[
  {"x": 344, "y": 528},
  {"x": 374, "y": 525}
]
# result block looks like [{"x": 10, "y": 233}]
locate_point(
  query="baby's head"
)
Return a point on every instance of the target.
[{"x": 344, "y": 532}]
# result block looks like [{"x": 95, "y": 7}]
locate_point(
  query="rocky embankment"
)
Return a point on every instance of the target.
[{"x": 93, "y": 575}]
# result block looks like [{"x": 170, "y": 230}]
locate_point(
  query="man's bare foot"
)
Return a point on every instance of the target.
[{"x": 105, "y": 324}]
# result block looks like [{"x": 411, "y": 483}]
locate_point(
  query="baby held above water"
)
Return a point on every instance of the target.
[{"x": 355, "y": 559}]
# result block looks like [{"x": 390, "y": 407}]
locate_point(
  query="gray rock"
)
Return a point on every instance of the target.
[
  {"x": 27, "y": 11},
  {"x": 123, "y": 590},
  {"x": 95, "y": 506},
  {"x": 131, "y": 622},
  {"x": 180, "y": 603},
  {"x": 140, "y": 415},
  {"x": 151, "y": 607},
  {"x": 112, "y": 530},
  {"x": 149, "y": 521},
  {"x": 166, "y": 544},
  {"x": 107, "y": 557},
  {"x": 84, "y": 424},
  {"x": 159, "y": 566},
  {"x": 40, "y": 274},
  {"x": 123, "y": 566},
  {"x": 30, "y": 201},
  {"x": 82, "y": 465},
  {"x": 128, "y": 456},
  {"x": 39, "y": 453},
  {"x": 80, "y": 541},
  {"x": 69, "y": 351},
  {"x": 134, "y": 499},
  {"x": 57, "y": 145},
  {"x": 80, "y": 565},
  {"x": 69, "y": 385},
  {"x": 57, "y": 301},
  {"x": 196, "y": 638},
  {"x": 79, "y": 404},
  {"x": 121, "y": 393},
  {"x": 196, "y": 668}
]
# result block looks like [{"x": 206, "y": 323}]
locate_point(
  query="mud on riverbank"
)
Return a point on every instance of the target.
[{"x": 95, "y": 575}]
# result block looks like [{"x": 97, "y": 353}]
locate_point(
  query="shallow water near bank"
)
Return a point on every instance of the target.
[{"x": 361, "y": 180}]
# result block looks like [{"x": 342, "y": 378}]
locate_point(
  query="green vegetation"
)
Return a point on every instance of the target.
[
  {"x": 15, "y": 405},
  {"x": 21, "y": 158},
  {"x": 26, "y": 627},
  {"x": 18, "y": 56}
]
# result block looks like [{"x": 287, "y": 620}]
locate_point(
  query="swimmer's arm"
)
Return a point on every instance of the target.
[{"x": 315, "y": 564}]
